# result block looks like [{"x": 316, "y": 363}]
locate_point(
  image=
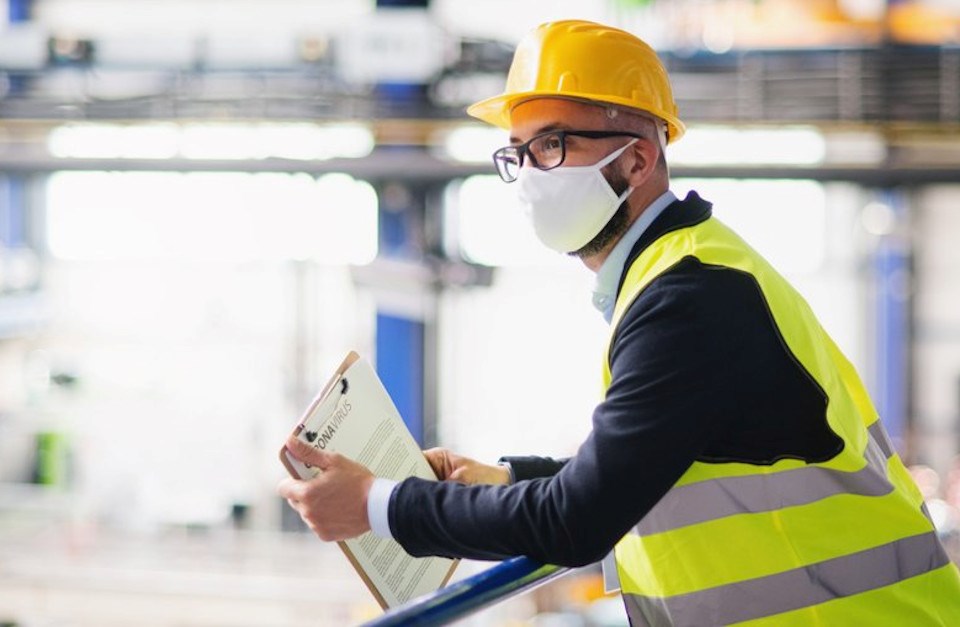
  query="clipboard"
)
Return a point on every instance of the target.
[
  {"x": 296, "y": 469},
  {"x": 325, "y": 404}
]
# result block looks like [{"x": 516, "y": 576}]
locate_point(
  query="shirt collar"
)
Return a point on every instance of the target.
[{"x": 608, "y": 276}]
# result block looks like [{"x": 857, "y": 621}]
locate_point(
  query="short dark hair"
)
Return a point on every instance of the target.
[{"x": 624, "y": 119}]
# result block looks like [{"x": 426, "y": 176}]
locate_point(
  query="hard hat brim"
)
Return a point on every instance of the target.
[{"x": 496, "y": 110}]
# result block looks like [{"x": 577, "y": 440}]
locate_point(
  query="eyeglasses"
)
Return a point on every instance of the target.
[{"x": 546, "y": 151}]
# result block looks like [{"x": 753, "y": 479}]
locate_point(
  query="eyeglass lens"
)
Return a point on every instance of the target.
[{"x": 544, "y": 151}]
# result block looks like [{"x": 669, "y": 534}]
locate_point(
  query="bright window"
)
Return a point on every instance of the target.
[
  {"x": 211, "y": 216},
  {"x": 785, "y": 221},
  {"x": 490, "y": 224}
]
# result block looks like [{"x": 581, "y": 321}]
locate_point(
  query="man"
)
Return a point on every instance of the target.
[{"x": 736, "y": 463}]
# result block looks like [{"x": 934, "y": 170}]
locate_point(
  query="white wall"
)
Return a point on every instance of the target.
[
  {"x": 520, "y": 363},
  {"x": 186, "y": 382},
  {"x": 936, "y": 348}
]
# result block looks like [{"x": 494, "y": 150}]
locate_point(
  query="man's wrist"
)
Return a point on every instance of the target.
[{"x": 506, "y": 466}]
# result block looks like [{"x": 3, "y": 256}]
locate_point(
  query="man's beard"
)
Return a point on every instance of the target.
[{"x": 615, "y": 227}]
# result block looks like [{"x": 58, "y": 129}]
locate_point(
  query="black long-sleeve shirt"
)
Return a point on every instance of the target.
[{"x": 700, "y": 373}]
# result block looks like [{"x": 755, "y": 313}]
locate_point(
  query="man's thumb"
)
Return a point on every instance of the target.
[
  {"x": 308, "y": 454},
  {"x": 438, "y": 461}
]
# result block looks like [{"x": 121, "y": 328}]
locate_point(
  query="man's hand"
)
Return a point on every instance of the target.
[
  {"x": 452, "y": 467},
  {"x": 334, "y": 503}
]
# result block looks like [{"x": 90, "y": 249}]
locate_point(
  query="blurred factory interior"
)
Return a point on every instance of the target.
[{"x": 204, "y": 204}]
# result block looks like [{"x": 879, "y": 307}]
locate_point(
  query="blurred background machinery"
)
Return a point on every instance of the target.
[{"x": 205, "y": 203}]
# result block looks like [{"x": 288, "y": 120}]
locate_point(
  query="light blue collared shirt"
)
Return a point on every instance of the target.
[
  {"x": 604, "y": 299},
  {"x": 608, "y": 276}
]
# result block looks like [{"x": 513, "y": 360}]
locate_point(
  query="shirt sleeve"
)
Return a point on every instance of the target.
[
  {"x": 378, "y": 503},
  {"x": 676, "y": 379}
]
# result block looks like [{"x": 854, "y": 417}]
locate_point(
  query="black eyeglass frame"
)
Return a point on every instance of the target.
[{"x": 520, "y": 151}]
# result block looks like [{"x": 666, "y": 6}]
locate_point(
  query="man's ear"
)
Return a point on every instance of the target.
[{"x": 646, "y": 154}]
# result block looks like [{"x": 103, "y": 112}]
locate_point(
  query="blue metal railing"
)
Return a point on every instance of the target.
[{"x": 472, "y": 594}]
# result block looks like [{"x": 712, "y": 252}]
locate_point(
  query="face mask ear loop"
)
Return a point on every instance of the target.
[
  {"x": 613, "y": 155},
  {"x": 610, "y": 159},
  {"x": 662, "y": 136}
]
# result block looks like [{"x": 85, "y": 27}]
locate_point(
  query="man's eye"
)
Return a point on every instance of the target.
[{"x": 551, "y": 143}]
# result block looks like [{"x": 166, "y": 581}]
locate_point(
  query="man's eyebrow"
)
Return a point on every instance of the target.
[{"x": 554, "y": 126}]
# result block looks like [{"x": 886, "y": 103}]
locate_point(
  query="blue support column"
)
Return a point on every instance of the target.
[
  {"x": 19, "y": 10},
  {"x": 13, "y": 211},
  {"x": 6, "y": 205},
  {"x": 401, "y": 331},
  {"x": 893, "y": 279},
  {"x": 400, "y": 364},
  {"x": 401, "y": 338},
  {"x": 23, "y": 309}
]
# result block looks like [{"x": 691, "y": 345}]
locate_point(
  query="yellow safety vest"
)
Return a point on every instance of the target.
[{"x": 841, "y": 542}]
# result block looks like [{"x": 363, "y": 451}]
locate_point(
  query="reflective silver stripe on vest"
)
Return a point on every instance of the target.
[
  {"x": 793, "y": 589},
  {"x": 726, "y": 496},
  {"x": 879, "y": 435}
]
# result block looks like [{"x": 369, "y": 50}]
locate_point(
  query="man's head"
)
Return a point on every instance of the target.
[
  {"x": 582, "y": 97},
  {"x": 584, "y": 213}
]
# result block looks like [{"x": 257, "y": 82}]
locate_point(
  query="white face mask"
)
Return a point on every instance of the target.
[{"x": 569, "y": 205}]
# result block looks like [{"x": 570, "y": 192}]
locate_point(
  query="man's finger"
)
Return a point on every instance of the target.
[
  {"x": 461, "y": 475},
  {"x": 290, "y": 489},
  {"x": 436, "y": 458},
  {"x": 308, "y": 454}
]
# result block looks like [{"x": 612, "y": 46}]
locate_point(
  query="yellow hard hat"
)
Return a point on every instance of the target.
[{"x": 584, "y": 61}]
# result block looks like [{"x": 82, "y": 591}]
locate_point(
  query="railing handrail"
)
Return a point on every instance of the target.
[{"x": 471, "y": 594}]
